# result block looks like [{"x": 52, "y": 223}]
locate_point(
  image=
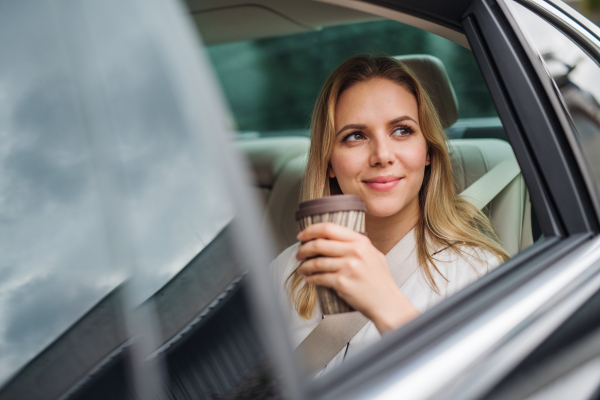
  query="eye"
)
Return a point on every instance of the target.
[
  {"x": 403, "y": 130},
  {"x": 353, "y": 137}
]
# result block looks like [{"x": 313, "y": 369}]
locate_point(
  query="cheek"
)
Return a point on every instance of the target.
[
  {"x": 416, "y": 158},
  {"x": 345, "y": 165}
]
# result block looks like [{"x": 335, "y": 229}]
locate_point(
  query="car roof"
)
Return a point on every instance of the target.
[{"x": 266, "y": 18}]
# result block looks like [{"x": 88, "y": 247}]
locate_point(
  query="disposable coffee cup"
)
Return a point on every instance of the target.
[{"x": 345, "y": 210}]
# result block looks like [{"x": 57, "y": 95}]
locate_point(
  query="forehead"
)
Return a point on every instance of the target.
[{"x": 374, "y": 101}]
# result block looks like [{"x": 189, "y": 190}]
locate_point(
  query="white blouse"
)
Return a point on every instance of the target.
[{"x": 457, "y": 271}]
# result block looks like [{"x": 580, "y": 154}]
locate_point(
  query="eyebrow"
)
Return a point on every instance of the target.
[
  {"x": 403, "y": 118},
  {"x": 392, "y": 122}
]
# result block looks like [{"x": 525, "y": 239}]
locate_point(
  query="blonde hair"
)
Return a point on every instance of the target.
[{"x": 445, "y": 218}]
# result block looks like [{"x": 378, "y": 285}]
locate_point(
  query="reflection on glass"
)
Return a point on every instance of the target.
[
  {"x": 55, "y": 260},
  {"x": 577, "y": 77},
  {"x": 102, "y": 186}
]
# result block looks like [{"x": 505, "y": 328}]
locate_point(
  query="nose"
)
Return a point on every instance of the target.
[{"x": 381, "y": 153}]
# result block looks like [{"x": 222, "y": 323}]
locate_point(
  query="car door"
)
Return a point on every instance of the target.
[{"x": 193, "y": 323}]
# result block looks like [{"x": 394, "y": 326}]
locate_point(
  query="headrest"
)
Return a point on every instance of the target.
[
  {"x": 268, "y": 156},
  {"x": 433, "y": 77}
]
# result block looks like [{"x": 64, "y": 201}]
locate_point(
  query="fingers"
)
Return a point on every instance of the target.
[
  {"x": 324, "y": 279},
  {"x": 323, "y": 247},
  {"x": 329, "y": 230},
  {"x": 320, "y": 265}
]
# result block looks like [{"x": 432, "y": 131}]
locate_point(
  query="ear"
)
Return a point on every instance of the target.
[
  {"x": 428, "y": 159},
  {"x": 330, "y": 172}
]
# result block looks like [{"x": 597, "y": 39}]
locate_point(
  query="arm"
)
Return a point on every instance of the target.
[{"x": 349, "y": 263}]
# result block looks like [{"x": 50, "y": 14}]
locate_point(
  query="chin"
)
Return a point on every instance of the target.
[{"x": 383, "y": 209}]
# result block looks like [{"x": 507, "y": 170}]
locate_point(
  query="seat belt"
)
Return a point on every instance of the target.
[
  {"x": 486, "y": 188},
  {"x": 336, "y": 330}
]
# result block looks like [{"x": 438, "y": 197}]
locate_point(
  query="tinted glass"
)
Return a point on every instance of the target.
[
  {"x": 116, "y": 209},
  {"x": 56, "y": 261},
  {"x": 577, "y": 78}
]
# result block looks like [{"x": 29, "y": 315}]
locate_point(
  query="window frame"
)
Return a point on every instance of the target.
[{"x": 590, "y": 44}]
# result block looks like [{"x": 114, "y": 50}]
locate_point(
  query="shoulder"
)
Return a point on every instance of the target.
[
  {"x": 286, "y": 262},
  {"x": 462, "y": 265},
  {"x": 288, "y": 255},
  {"x": 453, "y": 270},
  {"x": 478, "y": 257}
]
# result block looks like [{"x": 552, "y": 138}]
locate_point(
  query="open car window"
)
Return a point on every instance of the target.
[{"x": 272, "y": 84}]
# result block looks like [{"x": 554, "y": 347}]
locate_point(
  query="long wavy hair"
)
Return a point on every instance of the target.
[{"x": 445, "y": 218}]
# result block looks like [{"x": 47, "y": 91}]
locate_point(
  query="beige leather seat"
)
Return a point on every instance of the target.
[
  {"x": 269, "y": 156},
  {"x": 279, "y": 165},
  {"x": 510, "y": 211}
]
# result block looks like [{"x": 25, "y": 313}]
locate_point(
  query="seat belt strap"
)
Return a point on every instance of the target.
[
  {"x": 486, "y": 188},
  {"x": 336, "y": 330},
  {"x": 328, "y": 339}
]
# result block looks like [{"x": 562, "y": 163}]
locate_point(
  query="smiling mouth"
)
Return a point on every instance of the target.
[{"x": 382, "y": 183}]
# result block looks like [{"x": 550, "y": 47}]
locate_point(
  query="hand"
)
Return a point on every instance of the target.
[{"x": 347, "y": 262}]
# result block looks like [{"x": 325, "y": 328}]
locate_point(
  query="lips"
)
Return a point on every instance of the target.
[{"x": 382, "y": 183}]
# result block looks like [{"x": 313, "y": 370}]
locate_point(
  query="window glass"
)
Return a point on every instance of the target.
[
  {"x": 577, "y": 77},
  {"x": 272, "y": 84},
  {"x": 113, "y": 220},
  {"x": 56, "y": 261}
]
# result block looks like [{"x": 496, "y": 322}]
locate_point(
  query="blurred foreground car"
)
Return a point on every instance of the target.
[{"x": 136, "y": 238}]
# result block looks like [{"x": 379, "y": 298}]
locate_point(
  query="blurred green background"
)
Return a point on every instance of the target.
[{"x": 272, "y": 84}]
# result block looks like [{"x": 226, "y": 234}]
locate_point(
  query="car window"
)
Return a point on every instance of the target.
[
  {"x": 56, "y": 260},
  {"x": 576, "y": 77},
  {"x": 272, "y": 83},
  {"x": 107, "y": 207}
]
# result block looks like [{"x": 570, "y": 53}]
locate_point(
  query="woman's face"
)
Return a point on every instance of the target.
[{"x": 380, "y": 153}]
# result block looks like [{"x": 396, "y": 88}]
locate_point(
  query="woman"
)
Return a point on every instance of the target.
[{"x": 376, "y": 134}]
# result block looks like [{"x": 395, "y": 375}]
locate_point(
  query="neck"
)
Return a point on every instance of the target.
[{"x": 385, "y": 232}]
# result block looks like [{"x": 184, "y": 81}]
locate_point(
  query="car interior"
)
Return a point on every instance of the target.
[
  {"x": 277, "y": 161},
  {"x": 278, "y": 165}
]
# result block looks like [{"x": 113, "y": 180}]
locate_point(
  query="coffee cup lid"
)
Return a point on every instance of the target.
[{"x": 337, "y": 202}]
